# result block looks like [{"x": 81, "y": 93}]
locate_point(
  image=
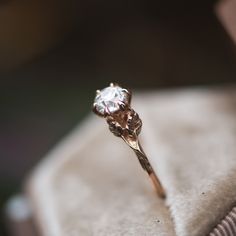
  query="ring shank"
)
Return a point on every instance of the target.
[
  {"x": 127, "y": 125},
  {"x": 148, "y": 168},
  {"x": 157, "y": 184}
]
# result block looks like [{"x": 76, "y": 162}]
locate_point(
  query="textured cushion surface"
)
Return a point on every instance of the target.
[{"x": 92, "y": 183}]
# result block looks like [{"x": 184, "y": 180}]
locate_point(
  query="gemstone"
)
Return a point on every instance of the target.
[{"x": 109, "y": 99}]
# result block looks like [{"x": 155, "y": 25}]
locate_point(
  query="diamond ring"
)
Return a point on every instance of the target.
[{"x": 113, "y": 103}]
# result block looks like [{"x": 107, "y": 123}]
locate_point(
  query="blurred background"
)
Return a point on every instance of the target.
[{"x": 55, "y": 54}]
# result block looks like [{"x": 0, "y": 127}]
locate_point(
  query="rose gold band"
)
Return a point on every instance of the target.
[
  {"x": 135, "y": 145},
  {"x": 113, "y": 103},
  {"x": 157, "y": 184}
]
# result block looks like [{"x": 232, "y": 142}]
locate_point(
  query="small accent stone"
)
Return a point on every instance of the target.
[{"x": 109, "y": 98}]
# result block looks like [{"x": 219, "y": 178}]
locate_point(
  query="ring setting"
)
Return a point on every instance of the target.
[{"x": 113, "y": 104}]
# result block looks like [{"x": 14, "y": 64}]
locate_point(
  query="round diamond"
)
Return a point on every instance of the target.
[{"x": 109, "y": 98}]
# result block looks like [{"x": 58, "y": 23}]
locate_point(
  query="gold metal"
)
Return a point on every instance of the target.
[{"x": 125, "y": 123}]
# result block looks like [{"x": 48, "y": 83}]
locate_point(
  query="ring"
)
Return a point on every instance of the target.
[{"x": 113, "y": 103}]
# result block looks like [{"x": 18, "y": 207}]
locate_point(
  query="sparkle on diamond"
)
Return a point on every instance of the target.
[{"x": 109, "y": 97}]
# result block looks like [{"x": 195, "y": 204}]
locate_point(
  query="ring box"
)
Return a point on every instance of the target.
[{"x": 92, "y": 184}]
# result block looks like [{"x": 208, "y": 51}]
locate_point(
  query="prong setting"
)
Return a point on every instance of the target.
[{"x": 111, "y": 100}]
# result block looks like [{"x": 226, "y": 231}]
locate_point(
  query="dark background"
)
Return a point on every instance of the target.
[{"x": 44, "y": 93}]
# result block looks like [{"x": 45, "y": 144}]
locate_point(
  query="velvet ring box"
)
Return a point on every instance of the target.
[{"x": 92, "y": 184}]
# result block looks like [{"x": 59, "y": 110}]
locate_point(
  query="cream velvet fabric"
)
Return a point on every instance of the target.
[{"x": 92, "y": 183}]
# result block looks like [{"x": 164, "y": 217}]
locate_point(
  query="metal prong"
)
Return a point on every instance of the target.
[
  {"x": 96, "y": 111},
  {"x": 127, "y": 91},
  {"x": 122, "y": 105},
  {"x": 129, "y": 94},
  {"x": 107, "y": 112},
  {"x": 114, "y": 84},
  {"x": 98, "y": 91}
]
